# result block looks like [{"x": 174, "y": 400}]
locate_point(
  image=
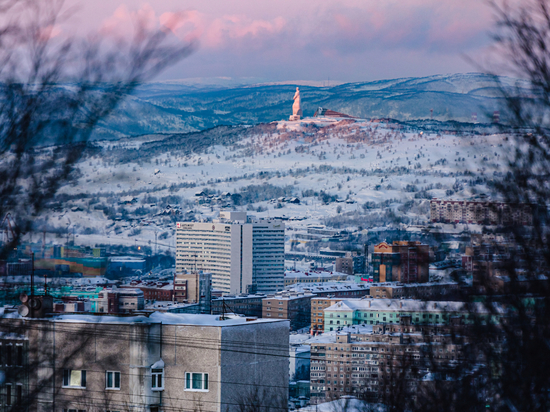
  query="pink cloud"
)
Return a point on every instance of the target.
[
  {"x": 49, "y": 32},
  {"x": 124, "y": 22},
  {"x": 212, "y": 31}
]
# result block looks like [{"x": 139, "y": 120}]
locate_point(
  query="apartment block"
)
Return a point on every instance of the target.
[
  {"x": 249, "y": 305},
  {"x": 401, "y": 261},
  {"x": 389, "y": 311},
  {"x": 295, "y": 307},
  {"x": 194, "y": 287},
  {"x": 480, "y": 212},
  {"x": 313, "y": 276},
  {"x": 424, "y": 291},
  {"x": 148, "y": 364},
  {"x": 119, "y": 300},
  {"x": 367, "y": 361},
  {"x": 318, "y": 306},
  {"x": 243, "y": 255}
]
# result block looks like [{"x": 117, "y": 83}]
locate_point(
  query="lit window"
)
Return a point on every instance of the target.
[
  {"x": 196, "y": 381},
  {"x": 157, "y": 379},
  {"x": 74, "y": 378},
  {"x": 112, "y": 380}
]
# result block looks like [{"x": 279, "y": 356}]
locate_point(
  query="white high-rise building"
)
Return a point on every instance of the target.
[{"x": 243, "y": 255}]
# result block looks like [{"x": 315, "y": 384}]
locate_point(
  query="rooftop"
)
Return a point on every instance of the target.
[
  {"x": 326, "y": 287},
  {"x": 311, "y": 274},
  {"x": 401, "y": 304},
  {"x": 154, "y": 318}
]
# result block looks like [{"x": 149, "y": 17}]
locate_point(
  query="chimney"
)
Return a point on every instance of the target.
[
  {"x": 369, "y": 303},
  {"x": 401, "y": 305}
]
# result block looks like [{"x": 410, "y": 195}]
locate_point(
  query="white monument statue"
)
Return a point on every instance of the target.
[{"x": 296, "y": 109}]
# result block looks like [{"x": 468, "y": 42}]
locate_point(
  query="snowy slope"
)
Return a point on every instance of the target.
[{"x": 367, "y": 171}]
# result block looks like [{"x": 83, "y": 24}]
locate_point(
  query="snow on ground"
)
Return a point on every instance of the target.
[{"x": 357, "y": 160}]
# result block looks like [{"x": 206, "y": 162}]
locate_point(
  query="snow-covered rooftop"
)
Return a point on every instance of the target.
[
  {"x": 401, "y": 305},
  {"x": 157, "y": 317}
]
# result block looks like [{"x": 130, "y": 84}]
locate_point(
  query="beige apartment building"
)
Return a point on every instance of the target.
[
  {"x": 366, "y": 361},
  {"x": 480, "y": 212},
  {"x": 293, "y": 306},
  {"x": 163, "y": 362}
]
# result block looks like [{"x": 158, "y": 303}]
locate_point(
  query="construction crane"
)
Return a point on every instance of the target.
[{"x": 7, "y": 229}]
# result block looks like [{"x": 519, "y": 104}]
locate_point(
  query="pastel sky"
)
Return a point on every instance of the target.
[{"x": 348, "y": 40}]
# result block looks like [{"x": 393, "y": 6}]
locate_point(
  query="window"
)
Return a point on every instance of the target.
[
  {"x": 18, "y": 394},
  {"x": 112, "y": 380},
  {"x": 8, "y": 394},
  {"x": 74, "y": 378},
  {"x": 196, "y": 381},
  {"x": 19, "y": 349},
  {"x": 157, "y": 379}
]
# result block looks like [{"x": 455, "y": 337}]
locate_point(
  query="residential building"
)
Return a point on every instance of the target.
[
  {"x": 299, "y": 361},
  {"x": 313, "y": 276},
  {"x": 366, "y": 361},
  {"x": 346, "y": 290},
  {"x": 344, "y": 265},
  {"x": 243, "y": 255},
  {"x": 402, "y": 261},
  {"x": 249, "y": 305},
  {"x": 194, "y": 287},
  {"x": 389, "y": 311},
  {"x": 480, "y": 212},
  {"x": 118, "y": 300},
  {"x": 295, "y": 307},
  {"x": 162, "y": 362},
  {"x": 325, "y": 295},
  {"x": 318, "y": 306},
  {"x": 152, "y": 290},
  {"x": 424, "y": 291},
  {"x": 351, "y": 264}
]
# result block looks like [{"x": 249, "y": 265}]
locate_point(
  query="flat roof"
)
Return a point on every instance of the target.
[{"x": 154, "y": 318}]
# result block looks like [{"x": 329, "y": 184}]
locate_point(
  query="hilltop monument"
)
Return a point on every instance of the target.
[{"x": 296, "y": 109}]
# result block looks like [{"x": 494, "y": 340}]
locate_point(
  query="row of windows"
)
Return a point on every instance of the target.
[{"x": 194, "y": 381}]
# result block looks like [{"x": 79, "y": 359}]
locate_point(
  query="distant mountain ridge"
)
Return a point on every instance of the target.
[{"x": 198, "y": 104}]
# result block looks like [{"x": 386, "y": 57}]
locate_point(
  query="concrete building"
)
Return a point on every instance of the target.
[
  {"x": 194, "y": 287},
  {"x": 424, "y": 291},
  {"x": 313, "y": 276},
  {"x": 367, "y": 361},
  {"x": 163, "y": 362},
  {"x": 248, "y": 305},
  {"x": 243, "y": 255},
  {"x": 118, "y": 300},
  {"x": 299, "y": 362},
  {"x": 344, "y": 265},
  {"x": 152, "y": 290},
  {"x": 295, "y": 307},
  {"x": 389, "y": 311},
  {"x": 351, "y": 264},
  {"x": 318, "y": 306},
  {"x": 480, "y": 212},
  {"x": 402, "y": 261}
]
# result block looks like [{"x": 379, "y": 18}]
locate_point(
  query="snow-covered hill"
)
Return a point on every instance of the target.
[{"x": 351, "y": 173}]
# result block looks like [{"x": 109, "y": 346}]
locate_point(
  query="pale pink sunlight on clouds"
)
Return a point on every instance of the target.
[{"x": 349, "y": 40}]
